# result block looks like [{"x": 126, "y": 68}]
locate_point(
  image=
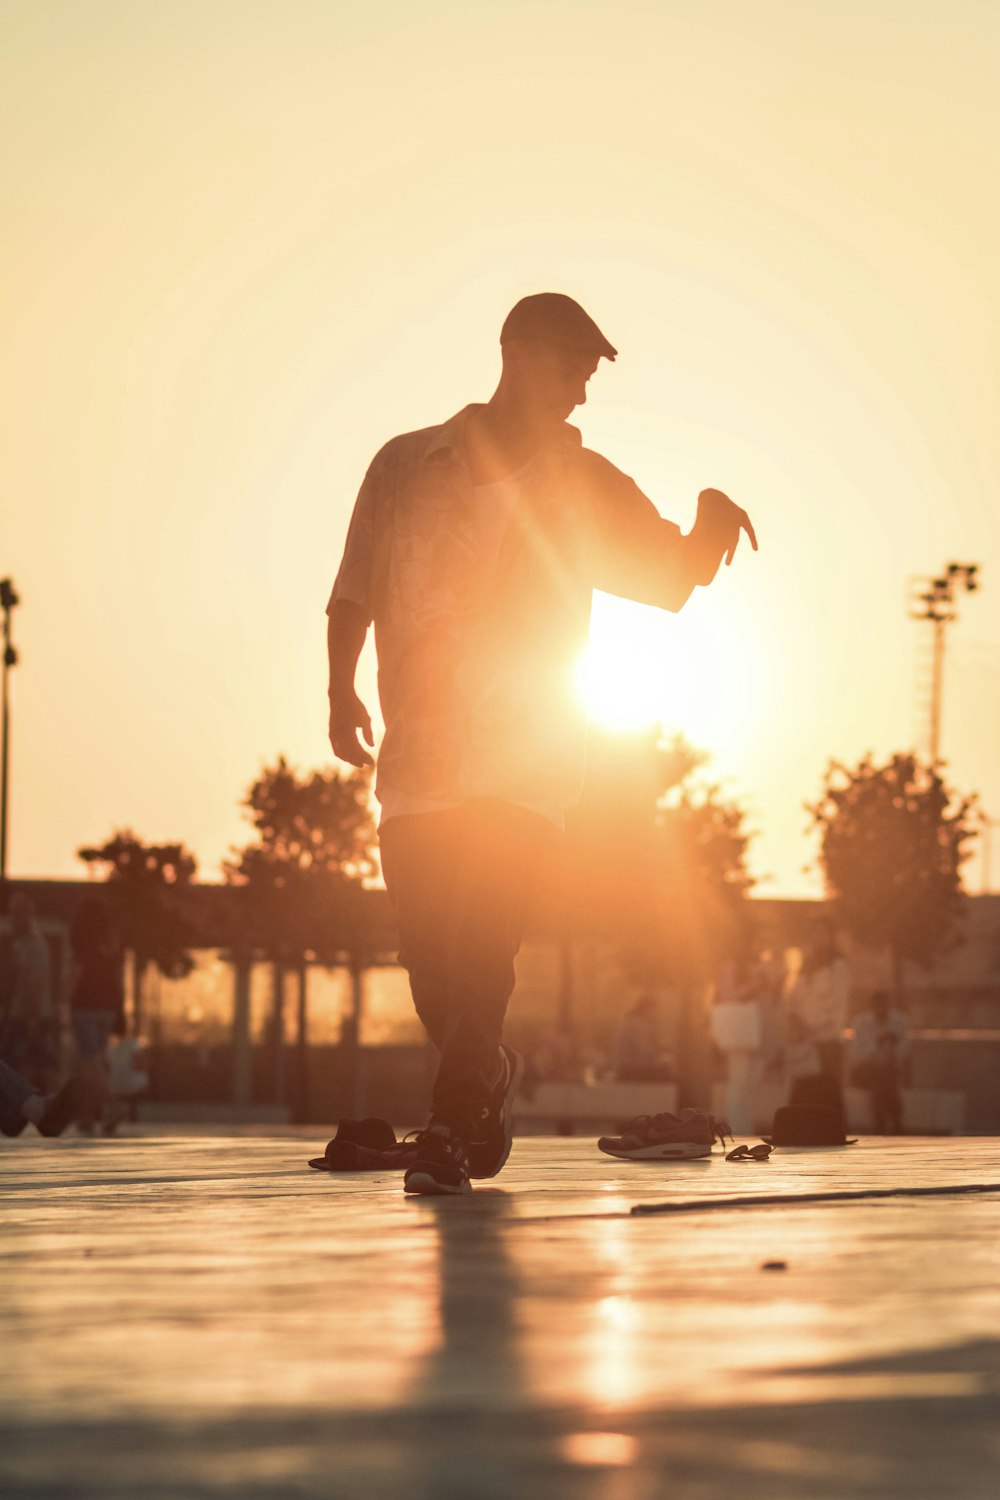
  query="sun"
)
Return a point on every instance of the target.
[
  {"x": 616, "y": 676},
  {"x": 620, "y": 675},
  {"x": 644, "y": 666}
]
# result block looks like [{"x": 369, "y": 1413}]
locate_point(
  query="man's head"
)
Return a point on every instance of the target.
[{"x": 551, "y": 347}]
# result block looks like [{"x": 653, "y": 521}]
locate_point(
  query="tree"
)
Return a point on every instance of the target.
[
  {"x": 147, "y": 885},
  {"x": 659, "y": 855},
  {"x": 654, "y": 863},
  {"x": 699, "y": 849},
  {"x": 892, "y": 842},
  {"x": 315, "y": 845},
  {"x": 299, "y": 885}
]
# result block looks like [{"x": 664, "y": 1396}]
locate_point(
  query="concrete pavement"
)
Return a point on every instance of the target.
[{"x": 203, "y": 1316}]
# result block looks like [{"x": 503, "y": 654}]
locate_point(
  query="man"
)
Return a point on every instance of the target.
[
  {"x": 735, "y": 1025},
  {"x": 882, "y": 1045},
  {"x": 474, "y": 549},
  {"x": 817, "y": 1016},
  {"x": 31, "y": 1031}
]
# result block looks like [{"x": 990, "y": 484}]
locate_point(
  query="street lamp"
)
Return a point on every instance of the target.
[
  {"x": 935, "y": 601},
  {"x": 9, "y": 600}
]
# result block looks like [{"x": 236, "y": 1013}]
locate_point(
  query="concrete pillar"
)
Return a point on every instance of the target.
[
  {"x": 242, "y": 1049},
  {"x": 301, "y": 1100},
  {"x": 278, "y": 1030},
  {"x": 357, "y": 1082}
]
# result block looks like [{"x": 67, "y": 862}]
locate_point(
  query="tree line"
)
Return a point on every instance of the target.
[{"x": 654, "y": 860}]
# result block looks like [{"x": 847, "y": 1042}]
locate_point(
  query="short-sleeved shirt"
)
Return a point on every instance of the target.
[
  {"x": 884, "y": 1039},
  {"x": 820, "y": 999},
  {"x": 479, "y": 626}
]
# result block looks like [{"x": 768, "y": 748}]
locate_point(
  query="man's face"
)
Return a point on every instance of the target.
[{"x": 552, "y": 382}]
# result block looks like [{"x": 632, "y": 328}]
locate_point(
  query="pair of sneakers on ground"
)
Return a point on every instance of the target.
[{"x": 437, "y": 1161}]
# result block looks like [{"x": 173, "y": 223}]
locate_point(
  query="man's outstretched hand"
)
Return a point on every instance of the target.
[
  {"x": 716, "y": 533},
  {"x": 347, "y": 715}
]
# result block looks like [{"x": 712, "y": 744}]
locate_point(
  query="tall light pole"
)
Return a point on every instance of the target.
[
  {"x": 8, "y": 602},
  {"x": 936, "y": 603}
]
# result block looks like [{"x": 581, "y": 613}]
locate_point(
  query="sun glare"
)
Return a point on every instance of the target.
[{"x": 643, "y": 666}]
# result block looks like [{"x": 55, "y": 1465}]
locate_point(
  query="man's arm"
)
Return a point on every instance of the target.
[
  {"x": 350, "y": 612},
  {"x": 347, "y": 626},
  {"x": 643, "y": 557}
]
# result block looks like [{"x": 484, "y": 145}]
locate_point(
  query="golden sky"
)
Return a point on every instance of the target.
[{"x": 246, "y": 242}]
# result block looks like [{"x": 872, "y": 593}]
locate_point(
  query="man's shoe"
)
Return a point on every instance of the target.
[
  {"x": 13, "y": 1124},
  {"x": 63, "y": 1107},
  {"x": 488, "y": 1155},
  {"x": 665, "y": 1137},
  {"x": 441, "y": 1166}
]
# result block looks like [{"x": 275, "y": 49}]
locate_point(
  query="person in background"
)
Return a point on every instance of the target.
[
  {"x": 96, "y": 999},
  {"x": 817, "y": 1015},
  {"x": 736, "y": 1024},
  {"x": 637, "y": 1056},
  {"x": 31, "y": 1029},
  {"x": 127, "y": 1075},
  {"x": 882, "y": 1045}
]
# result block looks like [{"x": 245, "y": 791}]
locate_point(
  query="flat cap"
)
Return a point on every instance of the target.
[{"x": 555, "y": 319}]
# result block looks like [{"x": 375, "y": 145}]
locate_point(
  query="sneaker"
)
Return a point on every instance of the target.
[
  {"x": 488, "y": 1155},
  {"x": 665, "y": 1137},
  {"x": 441, "y": 1165},
  {"x": 365, "y": 1146}
]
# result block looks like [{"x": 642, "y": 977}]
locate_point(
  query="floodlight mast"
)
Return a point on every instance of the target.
[
  {"x": 9, "y": 601},
  {"x": 936, "y": 601}
]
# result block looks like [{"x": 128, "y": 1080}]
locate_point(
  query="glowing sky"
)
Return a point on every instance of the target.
[{"x": 244, "y": 243}]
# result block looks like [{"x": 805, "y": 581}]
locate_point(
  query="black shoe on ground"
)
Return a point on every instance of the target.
[
  {"x": 63, "y": 1107},
  {"x": 441, "y": 1164},
  {"x": 378, "y": 1134},
  {"x": 365, "y": 1146},
  {"x": 488, "y": 1155}
]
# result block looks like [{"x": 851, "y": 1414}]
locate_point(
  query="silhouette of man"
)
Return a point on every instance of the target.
[{"x": 474, "y": 549}]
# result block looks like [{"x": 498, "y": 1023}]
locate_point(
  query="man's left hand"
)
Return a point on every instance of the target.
[
  {"x": 724, "y": 521},
  {"x": 716, "y": 533}
]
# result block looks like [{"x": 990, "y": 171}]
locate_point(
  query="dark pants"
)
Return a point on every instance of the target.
[
  {"x": 886, "y": 1099},
  {"x": 459, "y": 882},
  {"x": 825, "y": 1088}
]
